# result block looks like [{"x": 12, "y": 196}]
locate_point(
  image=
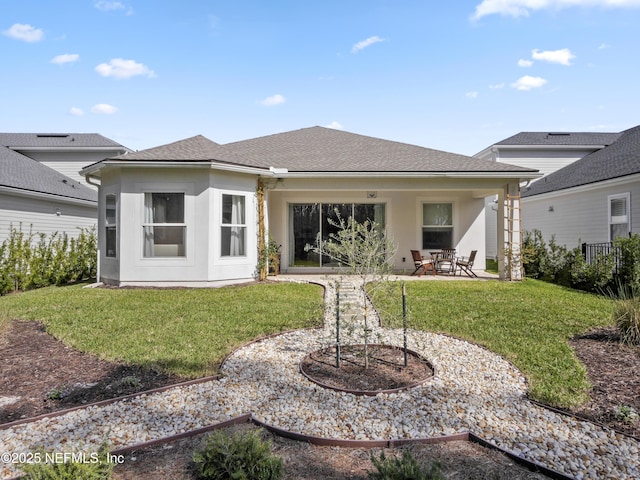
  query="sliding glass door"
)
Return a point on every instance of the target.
[{"x": 307, "y": 221}]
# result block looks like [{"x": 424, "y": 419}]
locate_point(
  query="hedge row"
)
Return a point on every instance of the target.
[
  {"x": 34, "y": 260},
  {"x": 559, "y": 265}
]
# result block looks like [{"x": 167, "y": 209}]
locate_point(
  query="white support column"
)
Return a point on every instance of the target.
[
  {"x": 501, "y": 235},
  {"x": 513, "y": 247},
  {"x": 510, "y": 233}
]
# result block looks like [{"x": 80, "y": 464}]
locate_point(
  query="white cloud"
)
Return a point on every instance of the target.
[
  {"x": 603, "y": 46},
  {"x": 24, "y": 32},
  {"x": 524, "y": 63},
  {"x": 65, "y": 58},
  {"x": 335, "y": 125},
  {"x": 104, "y": 108},
  {"x": 76, "y": 112},
  {"x": 120, "y": 68},
  {"x": 111, "y": 6},
  {"x": 471, "y": 94},
  {"x": 527, "y": 83},
  {"x": 496, "y": 86},
  {"x": 562, "y": 56},
  {"x": 366, "y": 43},
  {"x": 273, "y": 100},
  {"x": 522, "y": 8}
]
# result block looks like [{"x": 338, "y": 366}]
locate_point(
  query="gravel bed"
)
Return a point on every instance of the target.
[{"x": 473, "y": 390}]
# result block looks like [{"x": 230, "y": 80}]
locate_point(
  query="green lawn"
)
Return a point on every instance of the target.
[
  {"x": 182, "y": 331},
  {"x": 526, "y": 322},
  {"x": 189, "y": 331}
]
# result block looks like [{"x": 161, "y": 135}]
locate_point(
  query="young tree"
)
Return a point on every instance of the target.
[{"x": 361, "y": 250}]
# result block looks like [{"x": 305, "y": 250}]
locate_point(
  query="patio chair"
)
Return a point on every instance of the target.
[
  {"x": 447, "y": 261},
  {"x": 465, "y": 264},
  {"x": 422, "y": 264}
]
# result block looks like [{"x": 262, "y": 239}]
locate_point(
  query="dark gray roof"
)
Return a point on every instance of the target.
[
  {"x": 619, "y": 159},
  {"x": 319, "y": 149},
  {"x": 17, "y": 141},
  {"x": 560, "y": 138},
  {"x": 21, "y": 172}
]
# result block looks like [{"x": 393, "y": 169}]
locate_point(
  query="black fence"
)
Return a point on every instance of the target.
[{"x": 594, "y": 252}]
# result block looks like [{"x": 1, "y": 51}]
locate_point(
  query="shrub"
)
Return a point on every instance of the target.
[
  {"x": 629, "y": 261},
  {"x": 93, "y": 468},
  {"x": 29, "y": 260},
  {"x": 626, "y": 314},
  {"x": 534, "y": 253},
  {"x": 404, "y": 468},
  {"x": 239, "y": 456}
]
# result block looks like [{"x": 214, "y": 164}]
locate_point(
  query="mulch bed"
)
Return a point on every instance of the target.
[
  {"x": 47, "y": 376},
  {"x": 38, "y": 369},
  {"x": 386, "y": 369}
]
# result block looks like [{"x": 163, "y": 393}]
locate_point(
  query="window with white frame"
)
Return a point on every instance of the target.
[
  {"x": 233, "y": 231},
  {"x": 164, "y": 227},
  {"x": 110, "y": 225},
  {"x": 619, "y": 216},
  {"x": 437, "y": 226}
]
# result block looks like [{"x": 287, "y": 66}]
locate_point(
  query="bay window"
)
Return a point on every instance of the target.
[
  {"x": 110, "y": 225},
  {"x": 233, "y": 231},
  {"x": 164, "y": 227}
]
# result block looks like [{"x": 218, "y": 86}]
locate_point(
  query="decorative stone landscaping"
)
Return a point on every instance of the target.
[{"x": 474, "y": 391}]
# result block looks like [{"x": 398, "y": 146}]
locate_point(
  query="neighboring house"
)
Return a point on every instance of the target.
[
  {"x": 544, "y": 151},
  {"x": 186, "y": 212},
  {"x": 40, "y": 187},
  {"x": 595, "y": 199}
]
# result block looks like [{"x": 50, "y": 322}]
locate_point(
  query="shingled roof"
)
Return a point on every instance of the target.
[
  {"x": 319, "y": 149},
  {"x": 561, "y": 138},
  {"x": 17, "y": 141},
  {"x": 21, "y": 172},
  {"x": 619, "y": 159}
]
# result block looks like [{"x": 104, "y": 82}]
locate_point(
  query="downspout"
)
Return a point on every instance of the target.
[
  {"x": 98, "y": 185},
  {"x": 88, "y": 179}
]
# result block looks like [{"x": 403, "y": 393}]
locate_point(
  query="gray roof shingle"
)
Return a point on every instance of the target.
[
  {"x": 194, "y": 149},
  {"x": 21, "y": 172},
  {"x": 319, "y": 149},
  {"x": 17, "y": 141},
  {"x": 619, "y": 159},
  {"x": 560, "y": 138}
]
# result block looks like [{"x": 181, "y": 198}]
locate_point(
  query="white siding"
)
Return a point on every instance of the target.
[
  {"x": 41, "y": 216},
  {"x": 547, "y": 161},
  {"x": 70, "y": 163},
  {"x": 580, "y": 214}
]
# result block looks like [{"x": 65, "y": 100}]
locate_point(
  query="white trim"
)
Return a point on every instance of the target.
[
  {"x": 278, "y": 172},
  {"x": 616, "y": 196}
]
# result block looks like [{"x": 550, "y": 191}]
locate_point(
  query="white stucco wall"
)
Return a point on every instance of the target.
[
  {"x": 202, "y": 263},
  {"x": 403, "y": 215}
]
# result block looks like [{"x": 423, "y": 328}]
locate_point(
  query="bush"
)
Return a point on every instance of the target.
[
  {"x": 626, "y": 314},
  {"x": 240, "y": 456},
  {"x": 404, "y": 468},
  {"x": 29, "y": 260},
  {"x": 629, "y": 262},
  {"x": 100, "y": 469},
  {"x": 534, "y": 254}
]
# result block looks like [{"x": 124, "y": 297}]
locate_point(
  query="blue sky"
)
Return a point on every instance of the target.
[{"x": 456, "y": 76}]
